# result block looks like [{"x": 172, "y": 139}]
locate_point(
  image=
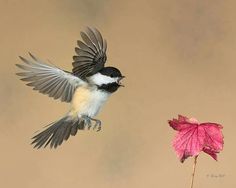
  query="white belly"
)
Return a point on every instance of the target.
[{"x": 87, "y": 102}]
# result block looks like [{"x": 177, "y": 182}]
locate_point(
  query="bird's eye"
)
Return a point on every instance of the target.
[{"x": 112, "y": 75}]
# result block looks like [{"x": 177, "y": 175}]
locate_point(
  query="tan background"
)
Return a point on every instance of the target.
[{"x": 179, "y": 58}]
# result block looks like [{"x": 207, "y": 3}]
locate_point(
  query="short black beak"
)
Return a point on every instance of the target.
[{"x": 119, "y": 79}]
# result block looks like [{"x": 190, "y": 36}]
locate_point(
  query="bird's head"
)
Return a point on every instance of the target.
[{"x": 108, "y": 79}]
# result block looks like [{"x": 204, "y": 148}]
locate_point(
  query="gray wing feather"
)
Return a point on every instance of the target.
[
  {"x": 48, "y": 79},
  {"x": 91, "y": 54}
]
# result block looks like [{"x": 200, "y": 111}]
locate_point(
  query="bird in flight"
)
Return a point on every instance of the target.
[{"x": 86, "y": 88}]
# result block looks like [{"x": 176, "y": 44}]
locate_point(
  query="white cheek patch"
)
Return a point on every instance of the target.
[{"x": 100, "y": 79}]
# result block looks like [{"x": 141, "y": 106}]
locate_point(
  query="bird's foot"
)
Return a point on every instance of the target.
[
  {"x": 98, "y": 124},
  {"x": 88, "y": 122}
]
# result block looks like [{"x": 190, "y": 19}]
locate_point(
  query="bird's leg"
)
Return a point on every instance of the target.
[
  {"x": 98, "y": 124},
  {"x": 87, "y": 121}
]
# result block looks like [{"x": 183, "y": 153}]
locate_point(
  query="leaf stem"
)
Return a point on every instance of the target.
[{"x": 193, "y": 172}]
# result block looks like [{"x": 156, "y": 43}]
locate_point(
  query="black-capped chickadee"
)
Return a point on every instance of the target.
[{"x": 86, "y": 88}]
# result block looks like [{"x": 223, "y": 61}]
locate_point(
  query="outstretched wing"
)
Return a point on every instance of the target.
[
  {"x": 48, "y": 79},
  {"x": 91, "y": 54}
]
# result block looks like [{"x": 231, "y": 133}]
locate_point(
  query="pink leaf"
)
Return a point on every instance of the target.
[{"x": 193, "y": 137}]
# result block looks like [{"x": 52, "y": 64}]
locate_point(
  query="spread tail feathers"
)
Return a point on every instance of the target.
[{"x": 57, "y": 132}]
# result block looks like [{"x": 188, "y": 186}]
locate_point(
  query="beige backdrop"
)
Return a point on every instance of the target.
[{"x": 179, "y": 58}]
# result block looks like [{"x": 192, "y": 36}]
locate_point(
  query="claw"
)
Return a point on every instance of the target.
[
  {"x": 89, "y": 126},
  {"x": 97, "y": 124}
]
